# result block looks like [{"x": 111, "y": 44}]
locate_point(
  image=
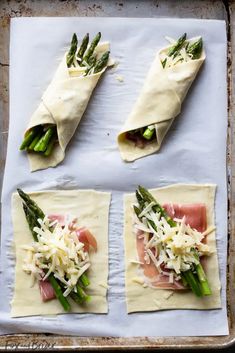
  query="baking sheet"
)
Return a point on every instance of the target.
[{"x": 194, "y": 152}]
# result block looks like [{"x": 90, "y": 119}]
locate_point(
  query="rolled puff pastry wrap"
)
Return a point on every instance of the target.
[
  {"x": 63, "y": 104},
  {"x": 141, "y": 298},
  {"x": 158, "y": 104}
]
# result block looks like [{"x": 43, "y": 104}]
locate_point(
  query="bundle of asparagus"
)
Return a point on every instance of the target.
[
  {"x": 84, "y": 57},
  {"x": 34, "y": 216},
  {"x": 174, "y": 69},
  {"x": 64, "y": 102},
  {"x": 178, "y": 256}
]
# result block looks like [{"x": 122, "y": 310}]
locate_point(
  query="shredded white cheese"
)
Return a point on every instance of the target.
[
  {"x": 138, "y": 280},
  {"x": 57, "y": 251},
  {"x": 119, "y": 78},
  {"x": 177, "y": 248},
  {"x": 104, "y": 285}
]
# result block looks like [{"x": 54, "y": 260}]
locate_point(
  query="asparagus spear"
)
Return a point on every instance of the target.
[
  {"x": 81, "y": 294},
  {"x": 147, "y": 197},
  {"x": 38, "y": 213},
  {"x": 92, "y": 63},
  {"x": 42, "y": 144},
  {"x": 195, "y": 49},
  {"x": 50, "y": 146},
  {"x": 164, "y": 63},
  {"x": 72, "y": 51},
  {"x": 92, "y": 47},
  {"x": 177, "y": 46},
  {"x": 84, "y": 280},
  {"x": 193, "y": 282},
  {"x": 31, "y": 219},
  {"x": 83, "y": 47},
  {"x": 29, "y": 138},
  {"x": 102, "y": 62},
  {"x": 34, "y": 142},
  {"x": 148, "y": 133},
  {"x": 58, "y": 292},
  {"x": 205, "y": 288}
]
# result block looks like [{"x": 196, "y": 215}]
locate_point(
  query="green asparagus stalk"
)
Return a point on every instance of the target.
[
  {"x": 184, "y": 281},
  {"x": 32, "y": 205},
  {"x": 30, "y": 135},
  {"x": 31, "y": 220},
  {"x": 164, "y": 63},
  {"x": 59, "y": 293},
  {"x": 81, "y": 294},
  {"x": 205, "y": 288},
  {"x": 83, "y": 47},
  {"x": 195, "y": 49},
  {"x": 42, "y": 144},
  {"x": 102, "y": 62},
  {"x": 84, "y": 280},
  {"x": 177, "y": 46},
  {"x": 92, "y": 63},
  {"x": 78, "y": 299},
  {"x": 147, "y": 197},
  {"x": 92, "y": 47},
  {"x": 50, "y": 146},
  {"x": 193, "y": 282},
  {"x": 34, "y": 142},
  {"x": 72, "y": 51},
  {"x": 148, "y": 133}
]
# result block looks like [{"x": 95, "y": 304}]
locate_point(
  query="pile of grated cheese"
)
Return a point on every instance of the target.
[
  {"x": 175, "y": 247},
  {"x": 57, "y": 251}
]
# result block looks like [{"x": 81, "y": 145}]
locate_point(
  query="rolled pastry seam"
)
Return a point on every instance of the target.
[
  {"x": 63, "y": 104},
  {"x": 158, "y": 104}
]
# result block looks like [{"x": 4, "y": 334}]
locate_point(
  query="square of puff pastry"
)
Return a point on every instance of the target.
[
  {"x": 140, "y": 297},
  {"x": 83, "y": 205}
]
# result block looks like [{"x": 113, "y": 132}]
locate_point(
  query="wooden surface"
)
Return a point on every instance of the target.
[{"x": 208, "y": 9}]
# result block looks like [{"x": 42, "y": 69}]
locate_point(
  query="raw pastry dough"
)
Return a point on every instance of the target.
[
  {"x": 63, "y": 104},
  {"x": 149, "y": 299},
  {"x": 158, "y": 104},
  {"x": 82, "y": 204}
]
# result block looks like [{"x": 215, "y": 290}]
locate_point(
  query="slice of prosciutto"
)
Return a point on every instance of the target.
[
  {"x": 57, "y": 217},
  {"x": 195, "y": 214},
  {"x": 195, "y": 217},
  {"x": 46, "y": 290},
  {"x": 85, "y": 237}
]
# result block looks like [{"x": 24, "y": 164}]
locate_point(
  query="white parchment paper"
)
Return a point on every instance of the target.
[{"x": 194, "y": 151}]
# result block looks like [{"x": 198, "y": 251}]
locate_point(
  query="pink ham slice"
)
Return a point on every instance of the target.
[
  {"x": 195, "y": 216},
  {"x": 85, "y": 237},
  {"x": 56, "y": 217},
  {"x": 46, "y": 290}
]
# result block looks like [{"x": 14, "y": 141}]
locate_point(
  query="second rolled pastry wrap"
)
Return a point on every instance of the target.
[
  {"x": 63, "y": 104},
  {"x": 158, "y": 104}
]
